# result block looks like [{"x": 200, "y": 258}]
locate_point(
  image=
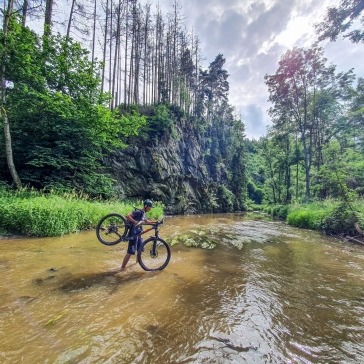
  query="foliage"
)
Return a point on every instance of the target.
[
  {"x": 61, "y": 128},
  {"x": 339, "y": 20},
  {"x": 340, "y": 221},
  {"x": 33, "y": 213},
  {"x": 160, "y": 121},
  {"x": 330, "y": 216},
  {"x": 255, "y": 193},
  {"x": 226, "y": 199},
  {"x": 280, "y": 211},
  {"x": 306, "y": 112},
  {"x": 306, "y": 218}
]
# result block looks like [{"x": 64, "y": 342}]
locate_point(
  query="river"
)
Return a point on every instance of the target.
[{"x": 266, "y": 293}]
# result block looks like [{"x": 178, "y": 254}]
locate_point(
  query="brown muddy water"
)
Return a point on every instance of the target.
[{"x": 267, "y": 293}]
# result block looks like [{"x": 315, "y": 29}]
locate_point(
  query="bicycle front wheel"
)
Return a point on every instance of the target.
[
  {"x": 155, "y": 254},
  {"x": 111, "y": 229}
]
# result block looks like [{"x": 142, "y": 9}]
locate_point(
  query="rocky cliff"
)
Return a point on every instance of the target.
[{"x": 168, "y": 168}]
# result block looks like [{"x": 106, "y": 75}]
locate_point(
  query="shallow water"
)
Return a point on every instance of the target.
[{"x": 267, "y": 293}]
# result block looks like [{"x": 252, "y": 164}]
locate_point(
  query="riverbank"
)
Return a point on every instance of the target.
[
  {"x": 32, "y": 213},
  {"x": 331, "y": 217}
]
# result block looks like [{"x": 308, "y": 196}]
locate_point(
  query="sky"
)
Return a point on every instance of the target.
[{"x": 253, "y": 35}]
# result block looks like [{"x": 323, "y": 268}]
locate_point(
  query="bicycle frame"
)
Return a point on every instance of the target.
[{"x": 154, "y": 227}]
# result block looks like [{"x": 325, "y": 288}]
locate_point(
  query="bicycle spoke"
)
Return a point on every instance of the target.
[
  {"x": 155, "y": 255},
  {"x": 111, "y": 229}
]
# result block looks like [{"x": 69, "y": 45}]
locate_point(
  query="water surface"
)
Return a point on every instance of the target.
[{"x": 267, "y": 293}]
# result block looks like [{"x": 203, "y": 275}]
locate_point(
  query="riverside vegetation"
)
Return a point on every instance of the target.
[
  {"x": 35, "y": 213},
  {"x": 330, "y": 216},
  {"x": 28, "y": 212}
]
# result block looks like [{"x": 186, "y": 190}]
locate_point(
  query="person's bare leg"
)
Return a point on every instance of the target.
[{"x": 125, "y": 261}]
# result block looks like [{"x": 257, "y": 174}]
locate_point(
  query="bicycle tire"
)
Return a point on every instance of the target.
[
  {"x": 151, "y": 260},
  {"x": 111, "y": 229}
]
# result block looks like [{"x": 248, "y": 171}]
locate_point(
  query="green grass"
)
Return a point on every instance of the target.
[
  {"x": 330, "y": 216},
  {"x": 31, "y": 213}
]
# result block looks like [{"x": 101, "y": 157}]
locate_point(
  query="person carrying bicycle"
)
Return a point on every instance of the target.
[{"x": 135, "y": 217}]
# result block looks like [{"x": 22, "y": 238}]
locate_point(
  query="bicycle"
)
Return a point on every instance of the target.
[{"x": 155, "y": 253}]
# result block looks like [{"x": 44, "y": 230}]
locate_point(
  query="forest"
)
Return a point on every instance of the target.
[{"x": 120, "y": 72}]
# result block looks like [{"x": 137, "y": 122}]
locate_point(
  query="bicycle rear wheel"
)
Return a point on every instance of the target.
[
  {"x": 155, "y": 254},
  {"x": 111, "y": 229}
]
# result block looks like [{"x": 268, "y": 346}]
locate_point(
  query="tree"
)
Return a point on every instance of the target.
[
  {"x": 214, "y": 85},
  {"x": 339, "y": 20},
  {"x": 356, "y": 116},
  {"x": 303, "y": 92},
  {"x": 61, "y": 126},
  {"x": 7, "y": 22},
  {"x": 48, "y": 16}
]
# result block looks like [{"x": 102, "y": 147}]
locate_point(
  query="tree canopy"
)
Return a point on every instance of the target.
[
  {"x": 60, "y": 121},
  {"x": 340, "y": 20}
]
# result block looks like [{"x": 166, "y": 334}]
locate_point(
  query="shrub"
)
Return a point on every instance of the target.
[
  {"x": 341, "y": 220},
  {"x": 280, "y": 211},
  {"x": 311, "y": 215},
  {"x": 255, "y": 193},
  {"x": 305, "y": 219},
  {"x": 226, "y": 199}
]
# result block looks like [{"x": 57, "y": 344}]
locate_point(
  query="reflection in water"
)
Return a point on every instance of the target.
[{"x": 267, "y": 293}]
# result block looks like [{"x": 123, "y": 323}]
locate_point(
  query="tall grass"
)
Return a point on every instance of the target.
[
  {"x": 331, "y": 216},
  {"x": 32, "y": 213}
]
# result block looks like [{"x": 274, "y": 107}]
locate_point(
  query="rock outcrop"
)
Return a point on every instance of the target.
[{"x": 170, "y": 169}]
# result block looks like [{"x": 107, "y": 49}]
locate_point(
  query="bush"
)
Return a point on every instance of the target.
[
  {"x": 280, "y": 211},
  {"x": 311, "y": 215},
  {"x": 305, "y": 219},
  {"x": 226, "y": 199},
  {"x": 268, "y": 209},
  {"x": 341, "y": 221},
  {"x": 255, "y": 193}
]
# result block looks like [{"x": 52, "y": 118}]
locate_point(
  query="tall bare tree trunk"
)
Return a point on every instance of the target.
[
  {"x": 116, "y": 57},
  {"x": 25, "y": 10},
  {"x": 110, "y": 60},
  {"x": 126, "y": 52},
  {"x": 131, "y": 70},
  {"x": 105, "y": 45},
  {"x": 146, "y": 59},
  {"x": 48, "y": 17},
  {"x": 94, "y": 33},
  {"x": 137, "y": 50},
  {"x": 4, "y": 115},
  {"x": 70, "y": 19}
]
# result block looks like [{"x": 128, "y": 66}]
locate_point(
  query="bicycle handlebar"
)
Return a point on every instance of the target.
[{"x": 154, "y": 223}]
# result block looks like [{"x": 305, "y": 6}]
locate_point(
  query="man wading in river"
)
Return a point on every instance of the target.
[{"x": 135, "y": 245}]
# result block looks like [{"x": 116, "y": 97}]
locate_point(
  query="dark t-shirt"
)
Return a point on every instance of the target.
[{"x": 138, "y": 215}]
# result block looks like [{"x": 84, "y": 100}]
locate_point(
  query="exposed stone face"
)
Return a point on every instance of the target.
[{"x": 171, "y": 170}]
